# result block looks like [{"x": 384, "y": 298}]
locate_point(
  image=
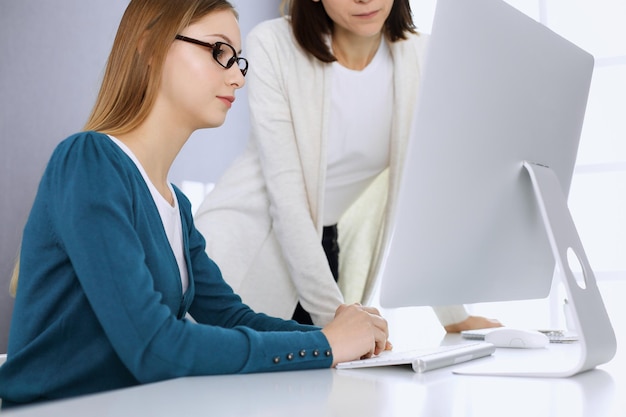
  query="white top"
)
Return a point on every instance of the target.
[
  {"x": 170, "y": 216},
  {"x": 359, "y": 131}
]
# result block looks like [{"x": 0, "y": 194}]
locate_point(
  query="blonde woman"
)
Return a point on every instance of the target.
[{"x": 111, "y": 262}]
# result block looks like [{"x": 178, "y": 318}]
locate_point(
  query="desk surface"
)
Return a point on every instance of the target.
[{"x": 390, "y": 391}]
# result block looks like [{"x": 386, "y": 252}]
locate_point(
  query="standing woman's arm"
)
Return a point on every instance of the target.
[{"x": 286, "y": 125}]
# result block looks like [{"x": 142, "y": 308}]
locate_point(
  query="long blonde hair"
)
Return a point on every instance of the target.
[
  {"x": 133, "y": 71},
  {"x": 14, "y": 276}
]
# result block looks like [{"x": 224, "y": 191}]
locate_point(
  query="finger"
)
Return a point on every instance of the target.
[
  {"x": 380, "y": 342},
  {"x": 372, "y": 310},
  {"x": 381, "y": 324}
]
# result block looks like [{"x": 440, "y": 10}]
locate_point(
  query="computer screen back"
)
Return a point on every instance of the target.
[{"x": 498, "y": 88}]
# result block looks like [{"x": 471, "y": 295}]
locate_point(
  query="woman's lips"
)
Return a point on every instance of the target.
[{"x": 228, "y": 100}]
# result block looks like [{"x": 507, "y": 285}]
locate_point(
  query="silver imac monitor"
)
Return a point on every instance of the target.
[{"x": 499, "y": 91}]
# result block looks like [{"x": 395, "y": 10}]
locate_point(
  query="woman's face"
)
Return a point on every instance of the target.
[
  {"x": 363, "y": 18},
  {"x": 195, "y": 88}
]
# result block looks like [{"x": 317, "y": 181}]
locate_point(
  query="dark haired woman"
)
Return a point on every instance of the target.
[{"x": 332, "y": 92}]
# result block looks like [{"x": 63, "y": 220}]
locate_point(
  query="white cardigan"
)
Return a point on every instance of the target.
[{"x": 263, "y": 220}]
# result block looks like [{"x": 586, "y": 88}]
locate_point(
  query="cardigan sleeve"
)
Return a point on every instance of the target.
[
  {"x": 94, "y": 212},
  {"x": 281, "y": 125}
]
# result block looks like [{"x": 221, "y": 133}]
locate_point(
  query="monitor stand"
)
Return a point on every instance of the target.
[{"x": 597, "y": 343}]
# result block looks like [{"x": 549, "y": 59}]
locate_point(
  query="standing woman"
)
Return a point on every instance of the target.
[
  {"x": 111, "y": 262},
  {"x": 331, "y": 94}
]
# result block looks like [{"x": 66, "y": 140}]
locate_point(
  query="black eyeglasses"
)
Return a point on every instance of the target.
[{"x": 223, "y": 53}]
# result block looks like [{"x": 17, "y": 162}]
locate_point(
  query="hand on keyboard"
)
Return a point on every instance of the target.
[{"x": 356, "y": 332}]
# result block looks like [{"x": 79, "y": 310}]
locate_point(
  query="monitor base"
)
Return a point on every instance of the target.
[{"x": 597, "y": 342}]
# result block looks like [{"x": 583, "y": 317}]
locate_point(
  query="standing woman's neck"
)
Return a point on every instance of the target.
[{"x": 355, "y": 52}]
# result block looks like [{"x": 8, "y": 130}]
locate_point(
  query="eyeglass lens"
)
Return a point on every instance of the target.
[{"x": 226, "y": 56}]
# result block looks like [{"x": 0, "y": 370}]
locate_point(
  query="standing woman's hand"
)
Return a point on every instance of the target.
[
  {"x": 472, "y": 323},
  {"x": 356, "y": 332}
]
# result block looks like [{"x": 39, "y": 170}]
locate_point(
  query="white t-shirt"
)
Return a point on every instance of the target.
[
  {"x": 170, "y": 216},
  {"x": 359, "y": 131}
]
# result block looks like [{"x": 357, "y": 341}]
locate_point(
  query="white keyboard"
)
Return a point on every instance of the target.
[{"x": 427, "y": 359}]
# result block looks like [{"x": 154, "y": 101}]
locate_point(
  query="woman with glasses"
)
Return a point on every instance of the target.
[
  {"x": 111, "y": 262},
  {"x": 331, "y": 96}
]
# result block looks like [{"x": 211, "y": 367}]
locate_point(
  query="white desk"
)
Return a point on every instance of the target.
[{"x": 385, "y": 392}]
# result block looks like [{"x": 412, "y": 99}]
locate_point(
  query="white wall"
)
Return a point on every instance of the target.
[{"x": 52, "y": 58}]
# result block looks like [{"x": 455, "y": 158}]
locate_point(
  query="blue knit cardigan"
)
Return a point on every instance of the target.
[{"x": 100, "y": 303}]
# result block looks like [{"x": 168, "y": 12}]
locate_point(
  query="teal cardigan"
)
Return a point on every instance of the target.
[{"x": 100, "y": 303}]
